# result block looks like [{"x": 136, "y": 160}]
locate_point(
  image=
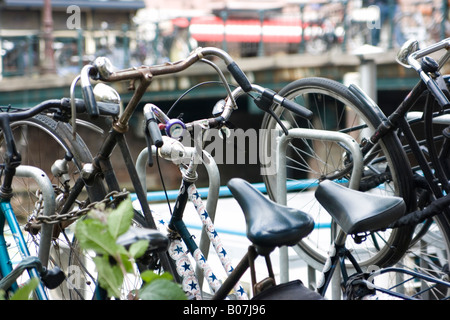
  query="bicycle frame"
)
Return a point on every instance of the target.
[
  {"x": 188, "y": 191},
  {"x": 436, "y": 176},
  {"x": 7, "y": 215}
]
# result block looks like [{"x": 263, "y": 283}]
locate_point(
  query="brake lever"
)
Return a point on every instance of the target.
[
  {"x": 148, "y": 139},
  {"x": 265, "y": 104}
]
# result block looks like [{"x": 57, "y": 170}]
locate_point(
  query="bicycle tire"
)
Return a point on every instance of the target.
[
  {"x": 429, "y": 251},
  {"x": 316, "y": 94},
  {"x": 161, "y": 262},
  {"x": 40, "y": 144}
]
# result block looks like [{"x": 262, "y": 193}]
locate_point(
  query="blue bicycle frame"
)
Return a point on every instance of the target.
[{"x": 7, "y": 215}]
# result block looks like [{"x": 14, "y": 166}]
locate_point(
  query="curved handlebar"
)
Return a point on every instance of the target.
[
  {"x": 105, "y": 73},
  {"x": 441, "y": 98},
  {"x": 272, "y": 97},
  {"x": 88, "y": 92},
  {"x": 152, "y": 126}
]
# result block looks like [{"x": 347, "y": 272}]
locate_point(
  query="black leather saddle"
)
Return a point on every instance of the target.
[
  {"x": 359, "y": 212},
  {"x": 269, "y": 224}
]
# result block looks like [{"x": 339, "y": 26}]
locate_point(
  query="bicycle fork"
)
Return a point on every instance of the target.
[{"x": 337, "y": 255}]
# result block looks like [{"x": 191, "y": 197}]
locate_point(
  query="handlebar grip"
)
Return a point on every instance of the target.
[
  {"x": 297, "y": 109},
  {"x": 91, "y": 104},
  {"x": 152, "y": 126},
  {"x": 240, "y": 77},
  {"x": 88, "y": 93},
  {"x": 438, "y": 94}
]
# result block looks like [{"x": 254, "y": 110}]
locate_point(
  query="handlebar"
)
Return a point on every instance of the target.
[
  {"x": 107, "y": 109},
  {"x": 152, "y": 126},
  {"x": 431, "y": 83},
  {"x": 88, "y": 92},
  {"x": 105, "y": 72},
  {"x": 13, "y": 158}
]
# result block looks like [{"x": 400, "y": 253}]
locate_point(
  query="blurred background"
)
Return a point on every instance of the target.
[{"x": 44, "y": 44}]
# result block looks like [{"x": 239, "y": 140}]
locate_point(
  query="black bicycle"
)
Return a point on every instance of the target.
[
  {"x": 271, "y": 225},
  {"x": 404, "y": 154},
  {"x": 83, "y": 180}
]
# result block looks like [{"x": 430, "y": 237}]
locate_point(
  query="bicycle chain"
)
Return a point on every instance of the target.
[{"x": 38, "y": 219}]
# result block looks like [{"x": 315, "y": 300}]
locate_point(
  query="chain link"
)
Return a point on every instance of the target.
[{"x": 111, "y": 198}]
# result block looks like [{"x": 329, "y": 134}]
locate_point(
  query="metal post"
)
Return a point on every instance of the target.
[
  {"x": 126, "y": 49},
  {"x": 444, "y": 12},
  {"x": 48, "y": 62},
  {"x": 261, "y": 39},
  {"x": 368, "y": 71},
  {"x": 392, "y": 26},
  {"x": 224, "y": 16},
  {"x": 1, "y": 59},
  {"x": 301, "y": 47},
  {"x": 346, "y": 25},
  {"x": 80, "y": 48}
]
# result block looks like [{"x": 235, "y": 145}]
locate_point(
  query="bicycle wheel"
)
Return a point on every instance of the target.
[
  {"x": 429, "y": 251},
  {"x": 42, "y": 142},
  {"x": 308, "y": 162},
  {"x": 428, "y": 254}
]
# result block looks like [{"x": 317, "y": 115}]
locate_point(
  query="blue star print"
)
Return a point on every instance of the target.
[
  {"x": 241, "y": 290},
  {"x": 179, "y": 249},
  {"x": 186, "y": 266},
  {"x": 193, "y": 285},
  {"x": 213, "y": 277}
]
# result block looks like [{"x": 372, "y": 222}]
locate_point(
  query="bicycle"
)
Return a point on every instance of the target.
[
  {"x": 359, "y": 214},
  {"x": 21, "y": 257},
  {"x": 386, "y": 168},
  {"x": 27, "y": 194},
  {"x": 76, "y": 169},
  {"x": 356, "y": 213}
]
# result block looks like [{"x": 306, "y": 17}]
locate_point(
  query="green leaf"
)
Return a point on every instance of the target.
[
  {"x": 148, "y": 276},
  {"x": 110, "y": 276},
  {"x": 24, "y": 292},
  {"x": 127, "y": 264},
  {"x": 138, "y": 248},
  {"x": 119, "y": 219},
  {"x": 93, "y": 234},
  {"x": 162, "y": 289}
]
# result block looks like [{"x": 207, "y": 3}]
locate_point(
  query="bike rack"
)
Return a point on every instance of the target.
[
  {"x": 48, "y": 194},
  {"x": 281, "y": 190},
  {"x": 281, "y": 195},
  {"x": 212, "y": 198}
]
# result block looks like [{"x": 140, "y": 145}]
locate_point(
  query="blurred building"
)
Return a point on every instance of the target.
[{"x": 81, "y": 28}]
